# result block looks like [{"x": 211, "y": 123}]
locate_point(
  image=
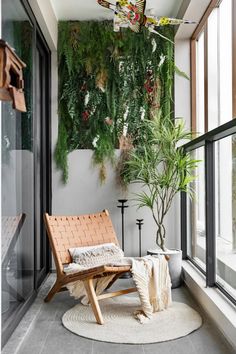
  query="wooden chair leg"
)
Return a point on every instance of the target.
[
  {"x": 56, "y": 287},
  {"x": 114, "y": 279},
  {"x": 88, "y": 284}
]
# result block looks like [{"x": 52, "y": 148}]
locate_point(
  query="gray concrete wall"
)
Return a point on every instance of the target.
[{"x": 84, "y": 194}]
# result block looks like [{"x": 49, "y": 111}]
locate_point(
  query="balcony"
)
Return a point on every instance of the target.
[{"x": 55, "y": 155}]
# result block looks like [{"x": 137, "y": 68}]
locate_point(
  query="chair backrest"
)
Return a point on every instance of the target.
[{"x": 66, "y": 232}]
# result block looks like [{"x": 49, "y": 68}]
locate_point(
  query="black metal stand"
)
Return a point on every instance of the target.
[
  {"x": 140, "y": 223},
  {"x": 122, "y": 208}
]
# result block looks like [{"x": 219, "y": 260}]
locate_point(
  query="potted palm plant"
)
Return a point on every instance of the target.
[{"x": 163, "y": 169}]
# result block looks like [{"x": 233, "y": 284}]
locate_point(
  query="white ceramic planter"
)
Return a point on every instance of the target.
[{"x": 175, "y": 265}]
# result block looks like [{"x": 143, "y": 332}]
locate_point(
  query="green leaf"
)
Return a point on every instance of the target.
[{"x": 181, "y": 73}]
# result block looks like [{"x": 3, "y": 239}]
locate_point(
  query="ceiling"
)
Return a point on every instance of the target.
[{"x": 90, "y": 10}]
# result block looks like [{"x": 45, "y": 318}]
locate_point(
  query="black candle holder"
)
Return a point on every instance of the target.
[
  {"x": 122, "y": 208},
  {"x": 140, "y": 223}
]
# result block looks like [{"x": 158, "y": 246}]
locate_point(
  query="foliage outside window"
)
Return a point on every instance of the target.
[{"x": 20, "y": 32}]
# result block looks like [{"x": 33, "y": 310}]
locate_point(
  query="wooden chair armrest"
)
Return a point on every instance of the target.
[{"x": 95, "y": 272}]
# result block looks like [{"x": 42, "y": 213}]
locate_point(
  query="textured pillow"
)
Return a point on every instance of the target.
[{"x": 93, "y": 256}]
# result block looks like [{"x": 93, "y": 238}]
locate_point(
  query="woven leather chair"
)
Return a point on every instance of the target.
[{"x": 66, "y": 232}]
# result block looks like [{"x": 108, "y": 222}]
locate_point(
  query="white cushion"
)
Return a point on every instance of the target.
[{"x": 93, "y": 256}]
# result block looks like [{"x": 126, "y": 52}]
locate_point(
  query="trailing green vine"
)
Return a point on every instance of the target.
[{"x": 108, "y": 84}]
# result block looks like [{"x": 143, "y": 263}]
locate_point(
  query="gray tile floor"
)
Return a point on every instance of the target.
[{"x": 41, "y": 332}]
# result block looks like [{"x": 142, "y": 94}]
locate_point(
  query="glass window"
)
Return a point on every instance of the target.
[
  {"x": 225, "y": 61},
  {"x": 214, "y": 70},
  {"x": 225, "y": 162},
  {"x": 196, "y": 229},
  {"x": 17, "y": 175},
  {"x": 200, "y": 86},
  {"x": 214, "y": 93}
]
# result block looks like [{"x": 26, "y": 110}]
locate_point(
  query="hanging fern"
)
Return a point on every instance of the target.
[{"x": 108, "y": 84}]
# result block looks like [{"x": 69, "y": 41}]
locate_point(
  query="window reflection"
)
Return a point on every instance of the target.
[
  {"x": 196, "y": 214},
  {"x": 225, "y": 161},
  {"x": 17, "y": 175},
  {"x": 11, "y": 231},
  {"x": 200, "y": 92}
]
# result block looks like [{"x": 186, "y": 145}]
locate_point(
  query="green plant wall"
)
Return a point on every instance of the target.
[{"x": 108, "y": 84}]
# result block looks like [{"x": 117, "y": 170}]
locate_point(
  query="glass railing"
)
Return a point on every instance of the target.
[{"x": 209, "y": 219}]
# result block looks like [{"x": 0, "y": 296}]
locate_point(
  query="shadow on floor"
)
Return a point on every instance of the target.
[{"x": 41, "y": 331}]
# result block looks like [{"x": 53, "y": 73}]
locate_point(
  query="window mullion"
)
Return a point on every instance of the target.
[
  {"x": 183, "y": 203},
  {"x": 206, "y": 78},
  {"x": 234, "y": 56},
  {"x": 210, "y": 214}
]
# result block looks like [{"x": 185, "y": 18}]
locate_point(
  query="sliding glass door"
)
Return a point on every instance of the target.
[{"x": 25, "y": 170}]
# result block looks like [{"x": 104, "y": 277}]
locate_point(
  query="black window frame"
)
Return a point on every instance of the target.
[{"x": 207, "y": 141}]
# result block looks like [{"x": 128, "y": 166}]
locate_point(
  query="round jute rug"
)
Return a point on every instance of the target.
[{"x": 121, "y": 326}]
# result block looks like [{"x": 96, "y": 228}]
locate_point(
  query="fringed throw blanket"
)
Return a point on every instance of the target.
[
  {"x": 152, "y": 279},
  {"x": 77, "y": 289},
  {"x": 150, "y": 275},
  {"x": 89, "y": 257}
]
